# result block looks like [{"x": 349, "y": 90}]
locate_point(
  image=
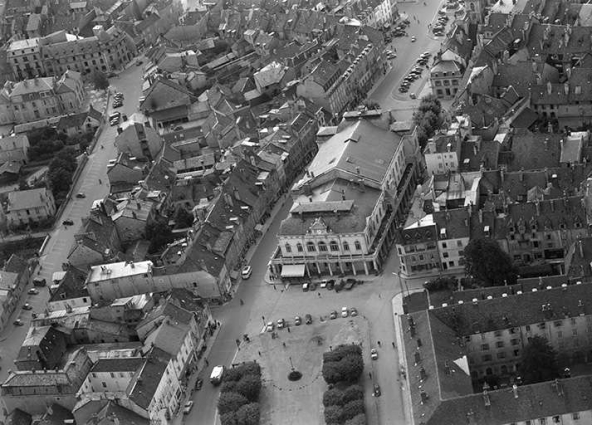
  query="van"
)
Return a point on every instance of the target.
[
  {"x": 216, "y": 376},
  {"x": 39, "y": 281},
  {"x": 246, "y": 272}
]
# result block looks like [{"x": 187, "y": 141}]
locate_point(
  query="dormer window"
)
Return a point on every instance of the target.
[
  {"x": 486, "y": 231},
  {"x": 443, "y": 233}
]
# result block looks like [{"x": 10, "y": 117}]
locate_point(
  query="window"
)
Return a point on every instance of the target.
[
  {"x": 499, "y": 344},
  {"x": 104, "y": 384},
  {"x": 542, "y": 421},
  {"x": 575, "y": 416},
  {"x": 514, "y": 341},
  {"x": 322, "y": 247},
  {"x": 358, "y": 245},
  {"x": 459, "y": 244},
  {"x": 333, "y": 246},
  {"x": 299, "y": 247},
  {"x": 345, "y": 246},
  {"x": 574, "y": 332},
  {"x": 558, "y": 323},
  {"x": 445, "y": 255},
  {"x": 310, "y": 247},
  {"x": 501, "y": 355},
  {"x": 444, "y": 245},
  {"x": 484, "y": 347},
  {"x": 486, "y": 358},
  {"x": 288, "y": 248}
]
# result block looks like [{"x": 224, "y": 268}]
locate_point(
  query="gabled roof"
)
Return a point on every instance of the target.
[
  {"x": 32, "y": 198},
  {"x": 142, "y": 388},
  {"x": 165, "y": 94}
]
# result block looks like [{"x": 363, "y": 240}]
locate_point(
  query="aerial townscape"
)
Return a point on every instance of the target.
[{"x": 265, "y": 212}]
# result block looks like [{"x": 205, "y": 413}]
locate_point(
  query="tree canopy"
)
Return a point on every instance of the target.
[
  {"x": 487, "y": 262},
  {"x": 428, "y": 118},
  {"x": 100, "y": 80},
  {"x": 159, "y": 234},
  {"x": 539, "y": 361}
]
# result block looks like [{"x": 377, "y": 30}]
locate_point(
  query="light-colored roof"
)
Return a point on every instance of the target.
[
  {"x": 34, "y": 85},
  {"x": 118, "y": 270},
  {"x": 24, "y": 199},
  {"x": 27, "y": 43}
]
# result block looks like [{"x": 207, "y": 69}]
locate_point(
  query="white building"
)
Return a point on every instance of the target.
[{"x": 26, "y": 206}]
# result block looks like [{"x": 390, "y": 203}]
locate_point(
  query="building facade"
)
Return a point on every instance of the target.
[{"x": 28, "y": 206}]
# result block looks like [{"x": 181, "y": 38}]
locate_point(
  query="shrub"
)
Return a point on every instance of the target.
[
  {"x": 357, "y": 420},
  {"x": 333, "y": 414},
  {"x": 249, "y": 386},
  {"x": 231, "y": 402},
  {"x": 351, "y": 368},
  {"x": 229, "y": 419},
  {"x": 351, "y": 393},
  {"x": 352, "y": 409},
  {"x": 332, "y": 397},
  {"x": 332, "y": 372},
  {"x": 229, "y": 387},
  {"x": 249, "y": 414}
]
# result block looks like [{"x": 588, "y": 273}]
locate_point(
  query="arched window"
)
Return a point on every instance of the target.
[
  {"x": 288, "y": 248},
  {"x": 358, "y": 245},
  {"x": 310, "y": 247},
  {"x": 299, "y": 247},
  {"x": 322, "y": 246},
  {"x": 345, "y": 246},
  {"x": 334, "y": 246}
]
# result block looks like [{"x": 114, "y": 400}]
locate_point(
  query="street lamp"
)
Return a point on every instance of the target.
[{"x": 291, "y": 365}]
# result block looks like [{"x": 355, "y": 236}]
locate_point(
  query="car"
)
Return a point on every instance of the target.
[
  {"x": 333, "y": 315},
  {"x": 118, "y": 95},
  {"x": 139, "y": 62},
  {"x": 413, "y": 39},
  {"x": 374, "y": 354},
  {"x": 403, "y": 89},
  {"x": 115, "y": 115},
  {"x": 297, "y": 320},
  {"x": 27, "y": 306},
  {"x": 388, "y": 52},
  {"x": 331, "y": 285},
  {"x": 308, "y": 319},
  {"x": 324, "y": 283},
  {"x": 353, "y": 312},
  {"x": 187, "y": 408},
  {"x": 349, "y": 284},
  {"x": 80, "y": 195},
  {"x": 442, "y": 12},
  {"x": 412, "y": 96},
  {"x": 68, "y": 222},
  {"x": 376, "y": 392},
  {"x": 124, "y": 117},
  {"x": 18, "y": 322},
  {"x": 269, "y": 327},
  {"x": 305, "y": 287},
  {"x": 114, "y": 122},
  {"x": 39, "y": 281},
  {"x": 198, "y": 384},
  {"x": 246, "y": 272},
  {"x": 313, "y": 286},
  {"x": 344, "y": 312},
  {"x": 281, "y": 323},
  {"x": 327, "y": 283},
  {"x": 426, "y": 54},
  {"x": 117, "y": 104},
  {"x": 32, "y": 291}
]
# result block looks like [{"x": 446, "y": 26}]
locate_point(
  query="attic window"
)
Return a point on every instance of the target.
[
  {"x": 486, "y": 230},
  {"x": 443, "y": 232}
]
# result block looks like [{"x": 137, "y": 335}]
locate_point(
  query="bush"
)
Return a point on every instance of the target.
[
  {"x": 441, "y": 283},
  {"x": 332, "y": 397},
  {"x": 332, "y": 372},
  {"x": 249, "y": 386},
  {"x": 333, "y": 414},
  {"x": 231, "y": 402},
  {"x": 354, "y": 392},
  {"x": 352, "y": 409},
  {"x": 236, "y": 373},
  {"x": 357, "y": 420},
  {"x": 351, "y": 368},
  {"x": 229, "y": 419},
  {"x": 344, "y": 363},
  {"x": 249, "y": 414},
  {"x": 229, "y": 387}
]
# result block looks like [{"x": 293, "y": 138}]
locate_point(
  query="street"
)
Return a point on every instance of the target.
[{"x": 62, "y": 238}]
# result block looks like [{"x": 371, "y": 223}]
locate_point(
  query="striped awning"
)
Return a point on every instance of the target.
[{"x": 296, "y": 270}]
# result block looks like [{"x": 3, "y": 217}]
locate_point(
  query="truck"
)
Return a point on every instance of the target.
[{"x": 216, "y": 376}]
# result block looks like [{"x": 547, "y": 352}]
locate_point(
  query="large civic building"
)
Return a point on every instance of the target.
[{"x": 347, "y": 205}]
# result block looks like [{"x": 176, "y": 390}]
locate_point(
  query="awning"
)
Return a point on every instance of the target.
[{"x": 296, "y": 270}]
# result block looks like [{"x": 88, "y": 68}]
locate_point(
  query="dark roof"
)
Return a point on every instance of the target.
[
  {"x": 525, "y": 119},
  {"x": 123, "y": 364},
  {"x": 72, "y": 286},
  {"x": 18, "y": 417},
  {"x": 148, "y": 380},
  {"x": 72, "y": 121},
  {"x": 15, "y": 264},
  {"x": 111, "y": 411}
]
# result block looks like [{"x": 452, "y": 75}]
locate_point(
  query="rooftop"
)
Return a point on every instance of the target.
[
  {"x": 25, "y": 199},
  {"x": 118, "y": 270}
]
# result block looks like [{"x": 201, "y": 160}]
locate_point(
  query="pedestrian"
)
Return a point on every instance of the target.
[
  {"x": 379, "y": 296},
  {"x": 284, "y": 344},
  {"x": 206, "y": 362},
  {"x": 289, "y": 329},
  {"x": 274, "y": 288},
  {"x": 370, "y": 375},
  {"x": 319, "y": 294},
  {"x": 379, "y": 344},
  {"x": 393, "y": 344},
  {"x": 259, "y": 352}
]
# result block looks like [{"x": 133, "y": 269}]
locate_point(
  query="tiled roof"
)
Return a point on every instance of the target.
[
  {"x": 532, "y": 151},
  {"x": 72, "y": 121},
  {"x": 23, "y": 199},
  {"x": 107, "y": 415},
  {"x": 547, "y": 39},
  {"x": 147, "y": 381},
  {"x": 71, "y": 286},
  {"x": 122, "y": 364}
]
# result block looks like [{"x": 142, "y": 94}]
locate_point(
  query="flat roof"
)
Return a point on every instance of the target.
[{"x": 118, "y": 270}]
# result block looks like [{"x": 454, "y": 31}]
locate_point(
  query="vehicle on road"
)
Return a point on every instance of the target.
[
  {"x": 39, "y": 281},
  {"x": 344, "y": 312},
  {"x": 246, "y": 272},
  {"x": 353, "y": 312},
  {"x": 115, "y": 115},
  {"x": 349, "y": 284},
  {"x": 376, "y": 392},
  {"x": 305, "y": 287},
  {"x": 297, "y": 320},
  {"x": 27, "y": 306},
  {"x": 80, "y": 195},
  {"x": 412, "y": 96},
  {"x": 216, "y": 375},
  {"x": 333, "y": 315},
  {"x": 198, "y": 384},
  {"x": 331, "y": 285},
  {"x": 187, "y": 408},
  {"x": 68, "y": 222},
  {"x": 32, "y": 291},
  {"x": 413, "y": 39},
  {"x": 18, "y": 322},
  {"x": 118, "y": 96},
  {"x": 139, "y": 62},
  {"x": 281, "y": 323},
  {"x": 308, "y": 319},
  {"x": 374, "y": 354},
  {"x": 269, "y": 327}
]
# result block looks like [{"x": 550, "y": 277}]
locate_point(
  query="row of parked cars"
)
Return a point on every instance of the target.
[
  {"x": 282, "y": 323},
  {"x": 438, "y": 28},
  {"x": 415, "y": 73},
  {"x": 331, "y": 284}
]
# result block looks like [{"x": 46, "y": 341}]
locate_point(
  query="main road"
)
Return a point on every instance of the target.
[{"x": 62, "y": 237}]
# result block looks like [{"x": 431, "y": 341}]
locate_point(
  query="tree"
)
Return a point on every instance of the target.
[
  {"x": 250, "y": 387},
  {"x": 441, "y": 283},
  {"x": 357, "y": 420},
  {"x": 159, "y": 234},
  {"x": 485, "y": 260},
  {"x": 230, "y": 402},
  {"x": 428, "y": 118},
  {"x": 351, "y": 368},
  {"x": 430, "y": 102},
  {"x": 100, "y": 80},
  {"x": 229, "y": 419},
  {"x": 229, "y": 387},
  {"x": 333, "y": 414},
  {"x": 249, "y": 414},
  {"x": 332, "y": 397},
  {"x": 332, "y": 373},
  {"x": 352, "y": 409},
  {"x": 371, "y": 105},
  {"x": 183, "y": 218},
  {"x": 539, "y": 361},
  {"x": 351, "y": 393}
]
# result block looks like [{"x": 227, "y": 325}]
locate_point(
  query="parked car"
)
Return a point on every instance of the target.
[
  {"x": 80, "y": 195},
  {"x": 297, "y": 320},
  {"x": 331, "y": 285},
  {"x": 32, "y": 291},
  {"x": 333, "y": 315},
  {"x": 305, "y": 287},
  {"x": 198, "y": 384},
  {"x": 139, "y": 62},
  {"x": 115, "y": 115},
  {"x": 374, "y": 354},
  {"x": 216, "y": 375},
  {"x": 281, "y": 323},
  {"x": 344, "y": 312},
  {"x": 118, "y": 96},
  {"x": 187, "y": 408},
  {"x": 412, "y": 96},
  {"x": 270, "y": 327},
  {"x": 18, "y": 322},
  {"x": 349, "y": 284},
  {"x": 376, "y": 392},
  {"x": 353, "y": 312},
  {"x": 68, "y": 222},
  {"x": 308, "y": 319},
  {"x": 246, "y": 272},
  {"x": 27, "y": 306}
]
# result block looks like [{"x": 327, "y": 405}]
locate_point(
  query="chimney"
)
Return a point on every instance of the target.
[
  {"x": 581, "y": 248},
  {"x": 424, "y": 397},
  {"x": 515, "y": 390},
  {"x": 422, "y": 374},
  {"x": 138, "y": 205}
]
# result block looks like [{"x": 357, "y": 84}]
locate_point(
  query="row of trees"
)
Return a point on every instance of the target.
[
  {"x": 45, "y": 142},
  {"x": 239, "y": 395},
  {"x": 60, "y": 173},
  {"x": 344, "y": 400},
  {"x": 428, "y": 118}
]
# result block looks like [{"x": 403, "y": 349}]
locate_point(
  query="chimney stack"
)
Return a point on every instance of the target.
[{"x": 515, "y": 390}]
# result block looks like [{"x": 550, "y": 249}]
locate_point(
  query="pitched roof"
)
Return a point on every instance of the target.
[
  {"x": 15, "y": 264},
  {"x": 32, "y": 198},
  {"x": 123, "y": 364},
  {"x": 146, "y": 383}
]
